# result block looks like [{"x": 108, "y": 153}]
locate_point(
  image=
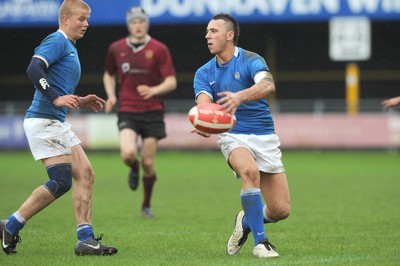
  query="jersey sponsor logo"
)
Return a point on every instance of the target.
[
  {"x": 125, "y": 67},
  {"x": 43, "y": 83}
]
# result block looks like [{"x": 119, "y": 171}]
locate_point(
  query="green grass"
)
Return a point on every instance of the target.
[{"x": 345, "y": 211}]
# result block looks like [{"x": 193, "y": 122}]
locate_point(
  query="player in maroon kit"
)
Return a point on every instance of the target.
[{"x": 145, "y": 72}]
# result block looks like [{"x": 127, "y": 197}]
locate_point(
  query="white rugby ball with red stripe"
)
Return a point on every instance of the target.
[{"x": 208, "y": 118}]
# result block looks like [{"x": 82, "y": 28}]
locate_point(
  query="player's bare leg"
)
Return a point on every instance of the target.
[
  {"x": 244, "y": 165},
  {"x": 40, "y": 198},
  {"x": 149, "y": 150},
  {"x": 83, "y": 174},
  {"x": 275, "y": 190},
  {"x": 128, "y": 148}
]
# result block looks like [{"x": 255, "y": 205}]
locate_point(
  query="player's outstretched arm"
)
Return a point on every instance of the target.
[{"x": 92, "y": 102}]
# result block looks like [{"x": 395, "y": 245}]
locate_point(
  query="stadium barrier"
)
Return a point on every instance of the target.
[{"x": 296, "y": 131}]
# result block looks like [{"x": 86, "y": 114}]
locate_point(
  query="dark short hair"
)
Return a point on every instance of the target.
[{"x": 233, "y": 25}]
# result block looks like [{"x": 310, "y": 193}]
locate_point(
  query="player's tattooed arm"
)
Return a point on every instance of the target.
[{"x": 268, "y": 77}]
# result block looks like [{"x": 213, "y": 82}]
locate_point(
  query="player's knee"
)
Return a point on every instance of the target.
[
  {"x": 282, "y": 213},
  {"x": 60, "y": 176},
  {"x": 89, "y": 173},
  {"x": 251, "y": 174},
  {"x": 128, "y": 156},
  {"x": 148, "y": 165}
]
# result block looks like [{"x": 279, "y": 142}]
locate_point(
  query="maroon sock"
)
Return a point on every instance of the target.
[
  {"x": 148, "y": 183},
  {"x": 135, "y": 165}
]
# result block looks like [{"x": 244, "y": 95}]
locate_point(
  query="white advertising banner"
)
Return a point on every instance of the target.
[{"x": 296, "y": 131}]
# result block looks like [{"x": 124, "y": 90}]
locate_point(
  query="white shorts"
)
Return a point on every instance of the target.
[
  {"x": 264, "y": 148},
  {"x": 49, "y": 138}
]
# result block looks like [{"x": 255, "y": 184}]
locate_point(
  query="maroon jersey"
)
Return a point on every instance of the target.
[{"x": 148, "y": 65}]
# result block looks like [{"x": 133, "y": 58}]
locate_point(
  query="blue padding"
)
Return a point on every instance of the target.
[{"x": 60, "y": 179}]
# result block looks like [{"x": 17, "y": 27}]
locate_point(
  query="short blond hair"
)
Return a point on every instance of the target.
[{"x": 68, "y": 7}]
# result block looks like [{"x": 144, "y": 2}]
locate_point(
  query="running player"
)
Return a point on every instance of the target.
[{"x": 145, "y": 72}]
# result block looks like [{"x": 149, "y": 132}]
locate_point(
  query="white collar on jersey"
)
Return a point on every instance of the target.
[
  {"x": 235, "y": 54},
  {"x": 138, "y": 49},
  {"x": 63, "y": 33}
]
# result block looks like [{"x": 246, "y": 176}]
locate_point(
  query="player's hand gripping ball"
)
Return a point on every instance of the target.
[{"x": 209, "y": 118}]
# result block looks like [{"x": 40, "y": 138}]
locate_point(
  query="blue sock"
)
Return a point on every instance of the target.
[
  {"x": 253, "y": 207},
  {"x": 15, "y": 223},
  {"x": 245, "y": 225},
  {"x": 267, "y": 220},
  {"x": 84, "y": 232}
]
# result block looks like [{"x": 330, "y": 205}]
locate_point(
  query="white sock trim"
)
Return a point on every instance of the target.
[
  {"x": 249, "y": 191},
  {"x": 266, "y": 218},
  {"x": 19, "y": 217}
]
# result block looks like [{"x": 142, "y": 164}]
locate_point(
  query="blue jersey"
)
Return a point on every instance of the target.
[
  {"x": 63, "y": 74},
  {"x": 253, "y": 117}
]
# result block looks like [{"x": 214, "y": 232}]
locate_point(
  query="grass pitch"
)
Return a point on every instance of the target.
[{"x": 345, "y": 211}]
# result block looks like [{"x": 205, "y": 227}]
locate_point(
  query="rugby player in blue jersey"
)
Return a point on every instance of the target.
[
  {"x": 55, "y": 72},
  {"x": 240, "y": 81}
]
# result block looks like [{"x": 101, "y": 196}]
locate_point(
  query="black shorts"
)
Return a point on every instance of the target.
[{"x": 149, "y": 124}]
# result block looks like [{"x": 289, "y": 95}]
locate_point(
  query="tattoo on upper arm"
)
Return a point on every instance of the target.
[{"x": 269, "y": 77}]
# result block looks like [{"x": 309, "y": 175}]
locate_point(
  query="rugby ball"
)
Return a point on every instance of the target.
[{"x": 208, "y": 118}]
